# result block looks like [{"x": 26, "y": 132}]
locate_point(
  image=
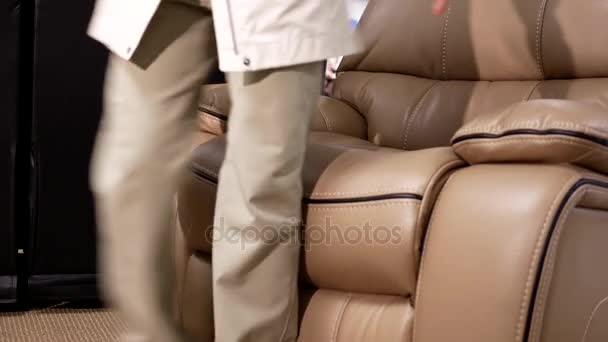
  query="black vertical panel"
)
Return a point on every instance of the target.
[
  {"x": 9, "y": 70},
  {"x": 67, "y": 91}
]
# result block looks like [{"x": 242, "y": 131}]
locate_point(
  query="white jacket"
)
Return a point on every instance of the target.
[{"x": 250, "y": 34}]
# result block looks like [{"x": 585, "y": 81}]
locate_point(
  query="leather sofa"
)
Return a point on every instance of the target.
[{"x": 456, "y": 181}]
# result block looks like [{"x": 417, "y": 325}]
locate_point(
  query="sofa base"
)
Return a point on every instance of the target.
[{"x": 8, "y": 289}]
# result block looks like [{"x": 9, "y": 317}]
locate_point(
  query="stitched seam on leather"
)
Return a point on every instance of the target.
[
  {"x": 426, "y": 242},
  {"x": 444, "y": 42},
  {"x": 546, "y": 282},
  {"x": 415, "y": 190},
  {"x": 326, "y": 119},
  {"x": 568, "y": 141},
  {"x": 364, "y": 87},
  {"x": 532, "y": 136},
  {"x": 583, "y": 156},
  {"x": 532, "y": 124},
  {"x": 356, "y": 111},
  {"x": 331, "y": 207},
  {"x": 348, "y": 103},
  {"x": 437, "y": 175},
  {"x": 597, "y": 307},
  {"x": 527, "y": 98},
  {"x": 525, "y": 301},
  {"x": 414, "y": 114},
  {"x": 336, "y": 329},
  {"x": 539, "y": 31},
  {"x": 527, "y": 124},
  {"x": 371, "y": 48}
]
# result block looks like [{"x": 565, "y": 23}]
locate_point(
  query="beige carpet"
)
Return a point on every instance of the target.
[{"x": 59, "y": 324}]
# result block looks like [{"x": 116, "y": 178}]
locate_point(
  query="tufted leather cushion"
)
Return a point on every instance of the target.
[
  {"x": 421, "y": 77},
  {"x": 364, "y": 228},
  {"x": 340, "y": 316}
]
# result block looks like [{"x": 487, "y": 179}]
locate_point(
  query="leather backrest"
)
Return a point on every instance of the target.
[
  {"x": 485, "y": 40},
  {"x": 421, "y": 77}
]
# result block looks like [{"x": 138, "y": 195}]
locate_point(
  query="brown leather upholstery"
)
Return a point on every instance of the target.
[
  {"x": 552, "y": 131},
  {"x": 486, "y": 247},
  {"x": 433, "y": 68},
  {"x": 403, "y": 240},
  {"x": 341, "y": 316}
]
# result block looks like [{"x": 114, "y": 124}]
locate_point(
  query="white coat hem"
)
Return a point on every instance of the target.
[{"x": 286, "y": 52}]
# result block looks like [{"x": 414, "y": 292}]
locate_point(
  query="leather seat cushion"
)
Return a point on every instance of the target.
[{"x": 364, "y": 209}]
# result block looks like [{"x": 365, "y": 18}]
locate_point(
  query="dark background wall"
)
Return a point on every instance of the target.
[
  {"x": 67, "y": 84},
  {"x": 68, "y": 69},
  {"x": 51, "y": 81},
  {"x": 9, "y": 38}
]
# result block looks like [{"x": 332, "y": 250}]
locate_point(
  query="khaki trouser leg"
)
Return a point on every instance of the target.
[
  {"x": 142, "y": 147},
  {"x": 256, "y": 246}
]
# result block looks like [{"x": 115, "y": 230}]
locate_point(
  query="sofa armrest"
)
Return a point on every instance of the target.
[
  {"x": 332, "y": 115},
  {"x": 548, "y": 131},
  {"x": 514, "y": 252},
  {"x": 345, "y": 187},
  {"x": 364, "y": 190}
]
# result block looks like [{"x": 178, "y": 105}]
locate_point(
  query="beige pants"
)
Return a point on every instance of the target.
[{"x": 142, "y": 147}]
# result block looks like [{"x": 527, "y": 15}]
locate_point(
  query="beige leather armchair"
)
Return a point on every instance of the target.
[{"x": 456, "y": 181}]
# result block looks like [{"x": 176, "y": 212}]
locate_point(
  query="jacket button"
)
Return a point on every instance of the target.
[
  {"x": 246, "y": 61},
  {"x": 129, "y": 50}
]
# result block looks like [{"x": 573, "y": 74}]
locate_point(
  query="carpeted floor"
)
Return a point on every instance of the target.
[{"x": 61, "y": 324}]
